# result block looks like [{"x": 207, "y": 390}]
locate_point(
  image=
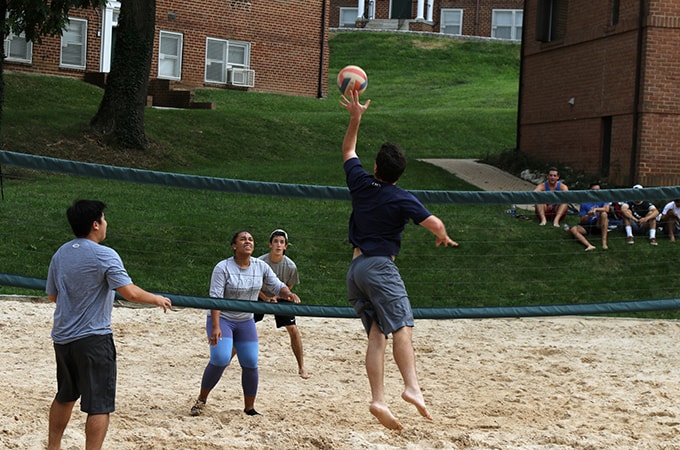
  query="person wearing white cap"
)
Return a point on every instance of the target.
[
  {"x": 286, "y": 270},
  {"x": 638, "y": 217}
]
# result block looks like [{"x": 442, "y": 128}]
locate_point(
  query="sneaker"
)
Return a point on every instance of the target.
[
  {"x": 197, "y": 409},
  {"x": 630, "y": 240},
  {"x": 652, "y": 241}
]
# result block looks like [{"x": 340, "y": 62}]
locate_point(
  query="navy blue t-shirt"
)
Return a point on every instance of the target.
[{"x": 380, "y": 211}]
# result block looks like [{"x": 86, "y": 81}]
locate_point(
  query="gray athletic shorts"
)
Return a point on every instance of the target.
[{"x": 377, "y": 293}]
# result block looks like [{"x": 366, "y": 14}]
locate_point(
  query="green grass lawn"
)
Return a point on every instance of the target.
[{"x": 437, "y": 97}]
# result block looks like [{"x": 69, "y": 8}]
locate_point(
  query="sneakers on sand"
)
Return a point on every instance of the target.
[{"x": 197, "y": 409}]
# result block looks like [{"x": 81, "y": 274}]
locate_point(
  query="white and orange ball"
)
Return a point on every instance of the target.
[{"x": 352, "y": 78}]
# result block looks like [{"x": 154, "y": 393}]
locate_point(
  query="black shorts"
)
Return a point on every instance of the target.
[
  {"x": 86, "y": 369},
  {"x": 281, "y": 321}
]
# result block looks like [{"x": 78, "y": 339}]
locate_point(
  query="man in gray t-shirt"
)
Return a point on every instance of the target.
[
  {"x": 81, "y": 280},
  {"x": 286, "y": 270}
]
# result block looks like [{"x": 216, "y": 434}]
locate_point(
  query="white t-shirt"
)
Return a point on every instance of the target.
[{"x": 671, "y": 207}]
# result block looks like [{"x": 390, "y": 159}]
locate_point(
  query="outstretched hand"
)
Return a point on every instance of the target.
[
  {"x": 446, "y": 241},
  {"x": 164, "y": 303},
  {"x": 353, "y": 105},
  {"x": 293, "y": 298}
]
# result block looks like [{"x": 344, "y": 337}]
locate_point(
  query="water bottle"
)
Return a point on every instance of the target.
[
  {"x": 513, "y": 210},
  {"x": 565, "y": 227}
]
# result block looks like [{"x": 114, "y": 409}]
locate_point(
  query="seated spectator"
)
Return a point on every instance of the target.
[
  {"x": 639, "y": 217},
  {"x": 593, "y": 218},
  {"x": 554, "y": 212},
  {"x": 615, "y": 216},
  {"x": 670, "y": 219}
]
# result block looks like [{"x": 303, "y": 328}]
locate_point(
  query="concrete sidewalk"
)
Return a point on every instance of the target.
[{"x": 483, "y": 176}]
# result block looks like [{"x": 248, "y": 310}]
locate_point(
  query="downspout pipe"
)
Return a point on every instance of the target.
[
  {"x": 634, "y": 151},
  {"x": 521, "y": 80},
  {"x": 322, "y": 49}
]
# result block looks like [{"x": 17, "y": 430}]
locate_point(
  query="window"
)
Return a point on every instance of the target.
[
  {"x": 452, "y": 21},
  {"x": 215, "y": 61},
  {"x": 348, "y": 17},
  {"x": 507, "y": 24},
  {"x": 17, "y": 49},
  {"x": 616, "y": 7},
  {"x": 73, "y": 48},
  {"x": 551, "y": 20},
  {"x": 221, "y": 56},
  {"x": 170, "y": 56}
]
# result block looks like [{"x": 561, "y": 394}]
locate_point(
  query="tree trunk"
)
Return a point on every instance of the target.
[{"x": 121, "y": 112}]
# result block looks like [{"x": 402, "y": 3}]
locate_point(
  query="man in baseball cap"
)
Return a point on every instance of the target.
[{"x": 639, "y": 217}]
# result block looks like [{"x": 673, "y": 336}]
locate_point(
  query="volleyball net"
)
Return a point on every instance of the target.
[{"x": 504, "y": 267}]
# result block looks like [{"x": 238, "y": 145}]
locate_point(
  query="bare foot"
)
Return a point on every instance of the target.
[
  {"x": 542, "y": 223},
  {"x": 556, "y": 224},
  {"x": 384, "y": 415},
  {"x": 303, "y": 373},
  {"x": 417, "y": 400},
  {"x": 590, "y": 248},
  {"x": 604, "y": 247}
]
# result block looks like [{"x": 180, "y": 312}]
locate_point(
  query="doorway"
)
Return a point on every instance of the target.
[{"x": 401, "y": 9}]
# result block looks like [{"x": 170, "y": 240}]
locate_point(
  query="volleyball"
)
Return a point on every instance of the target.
[{"x": 352, "y": 78}]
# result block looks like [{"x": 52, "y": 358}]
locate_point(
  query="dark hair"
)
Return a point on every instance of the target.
[
  {"x": 235, "y": 236},
  {"x": 278, "y": 232},
  {"x": 594, "y": 183},
  {"x": 82, "y": 214},
  {"x": 390, "y": 163},
  {"x": 555, "y": 169}
]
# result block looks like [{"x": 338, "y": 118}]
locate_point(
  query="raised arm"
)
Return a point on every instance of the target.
[
  {"x": 437, "y": 227},
  {"x": 356, "y": 110}
]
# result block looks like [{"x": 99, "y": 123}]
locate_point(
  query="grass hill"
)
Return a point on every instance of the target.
[{"x": 438, "y": 97}]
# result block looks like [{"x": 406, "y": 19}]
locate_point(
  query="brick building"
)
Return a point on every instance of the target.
[
  {"x": 274, "y": 46},
  {"x": 501, "y": 19},
  {"x": 599, "y": 87}
]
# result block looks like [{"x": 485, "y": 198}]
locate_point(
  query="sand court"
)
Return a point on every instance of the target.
[{"x": 539, "y": 383}]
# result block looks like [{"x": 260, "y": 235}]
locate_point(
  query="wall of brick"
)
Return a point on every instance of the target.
[
  {"x": 334, "y": 10},
  {"x": 477, "y": 14},
  {"x": 289, "y": 42},
  {"x": 660, "y": 132},
  {"x": 595, "y": 64}
]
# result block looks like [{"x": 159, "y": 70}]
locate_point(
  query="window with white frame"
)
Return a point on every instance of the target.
[
  {"x": 17, "y": 49},
  {"x": 238, "y": 54},
  {"x": 170, "y": 55},
  {"x": 507, "y": 24},
  {"x": 216, "y": 61},
  {"x": 222, "y": 55},
  {"x": 348, "y": 17},
  {"x": 73, "y": 44},
  {"x": 451, "y": 21}
]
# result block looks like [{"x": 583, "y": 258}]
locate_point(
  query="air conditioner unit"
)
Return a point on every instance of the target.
[{"x": 241, "y": 77}]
